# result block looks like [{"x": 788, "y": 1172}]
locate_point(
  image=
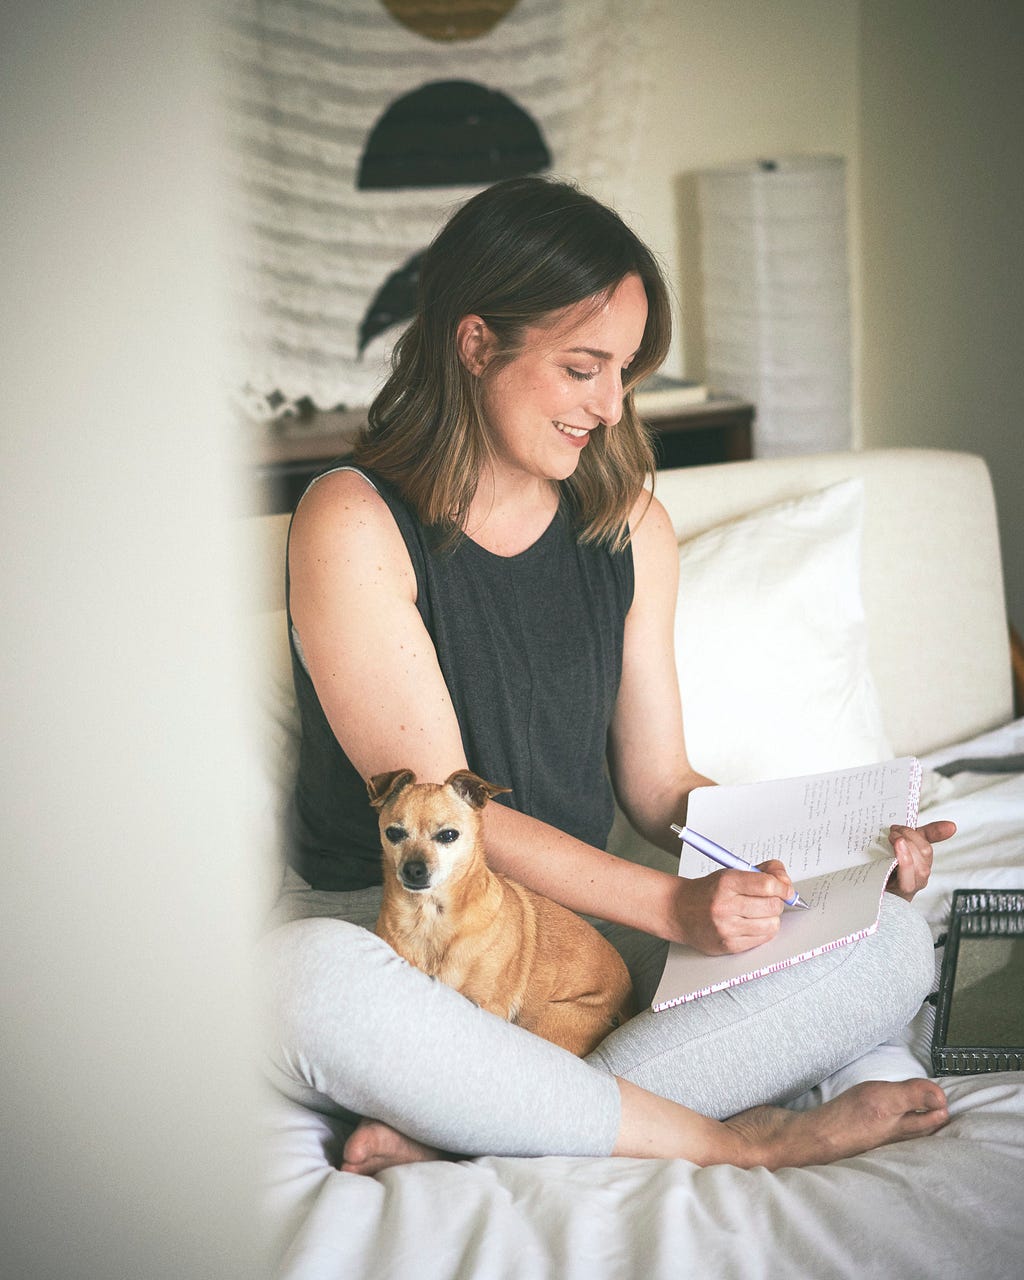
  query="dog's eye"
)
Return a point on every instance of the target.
[
  {"x": 396, "y": 834},
  {"x": 446, "y": 835}
]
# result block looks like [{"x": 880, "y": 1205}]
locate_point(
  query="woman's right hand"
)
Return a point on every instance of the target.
[{"x": 727, "y": 912}]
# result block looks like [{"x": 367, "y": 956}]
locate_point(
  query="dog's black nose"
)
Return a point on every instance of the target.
[{"x": 415, "y": 874}]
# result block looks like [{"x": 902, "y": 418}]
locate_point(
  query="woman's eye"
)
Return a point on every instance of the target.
[
  {"x": 396, "y": 834},
  {"x": 447, "y": 835},
  {"x": 580, "y": 375}
]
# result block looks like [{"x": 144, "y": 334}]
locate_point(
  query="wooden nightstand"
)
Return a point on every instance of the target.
[{"x": 716, "y": 430}]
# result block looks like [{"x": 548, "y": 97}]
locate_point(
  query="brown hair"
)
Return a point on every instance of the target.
[{"x": 515, "y": 254}]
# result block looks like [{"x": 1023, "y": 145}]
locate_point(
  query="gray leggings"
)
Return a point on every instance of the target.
[{"x": 353, "y": 1029}]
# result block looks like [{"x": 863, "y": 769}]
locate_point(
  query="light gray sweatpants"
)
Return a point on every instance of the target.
[{"x": 352, "y": 1028}]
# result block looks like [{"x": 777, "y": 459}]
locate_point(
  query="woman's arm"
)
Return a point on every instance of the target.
[
  {"x": 726, "y": 911},
  {"x": 353, "y": 604},
  {"x": 372, "y": 662},
  {"x": 647, "y": 753}
]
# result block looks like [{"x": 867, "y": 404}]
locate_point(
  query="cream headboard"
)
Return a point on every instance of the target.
[{"x": 932, "y": 575}]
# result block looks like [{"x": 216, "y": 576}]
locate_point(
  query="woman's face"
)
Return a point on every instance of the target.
[{"x": 566, "y": 383}]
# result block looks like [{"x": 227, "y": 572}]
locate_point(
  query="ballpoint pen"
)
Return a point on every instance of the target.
[{"x": 726, "y": 859}]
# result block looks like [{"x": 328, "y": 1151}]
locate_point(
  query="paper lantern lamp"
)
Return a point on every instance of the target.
[{"x": 776, "y": 298}]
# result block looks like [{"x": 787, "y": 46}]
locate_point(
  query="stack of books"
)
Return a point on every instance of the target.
[{"x": 661, "y": 394}]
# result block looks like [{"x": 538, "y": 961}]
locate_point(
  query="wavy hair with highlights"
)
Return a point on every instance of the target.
[{"x": 516, "y": 254}]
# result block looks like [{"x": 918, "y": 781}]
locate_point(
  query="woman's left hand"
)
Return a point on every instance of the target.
[{"x": 913, "y": 849}]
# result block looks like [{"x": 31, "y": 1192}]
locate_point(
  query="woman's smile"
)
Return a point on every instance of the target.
[{"x": 575, "y": 435}]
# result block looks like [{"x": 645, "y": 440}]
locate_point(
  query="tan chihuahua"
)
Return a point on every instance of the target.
[{"x": 506, "y": 948}]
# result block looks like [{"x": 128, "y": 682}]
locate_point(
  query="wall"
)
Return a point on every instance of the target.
[
  {"x": 735, "y": 80},
  {"x": 925, "y": 99},
  {"x": 127, "y": 1098},
  {"x": 942, "y": 189}
]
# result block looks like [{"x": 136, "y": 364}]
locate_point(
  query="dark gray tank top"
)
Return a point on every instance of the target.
[{"x": 530, "y": 647}]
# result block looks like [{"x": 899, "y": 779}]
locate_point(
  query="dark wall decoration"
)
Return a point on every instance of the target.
[
  {"x": 450, "y": 134},
  {"x": 360, "y": 124},
  {"x": 394, "y": 303}
]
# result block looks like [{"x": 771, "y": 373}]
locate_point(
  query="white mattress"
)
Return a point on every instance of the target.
[{"x": 951, "y": 1204}]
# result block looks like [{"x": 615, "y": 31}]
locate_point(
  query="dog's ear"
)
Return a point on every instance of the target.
[
  {"x": 475, "y": 791},
  {"x": 382, "y": 786}
]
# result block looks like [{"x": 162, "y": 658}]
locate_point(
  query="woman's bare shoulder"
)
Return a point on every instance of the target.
[
  {"x": 650, "y": 527},
  {"x": 338, "y": 496},
  {"x": 341, "y": 521}
]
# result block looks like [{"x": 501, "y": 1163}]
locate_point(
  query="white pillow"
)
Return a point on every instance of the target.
[{"x": 771, "y": 642}]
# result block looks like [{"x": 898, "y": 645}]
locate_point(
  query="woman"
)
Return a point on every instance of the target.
[{"x": 493, "y": 587}]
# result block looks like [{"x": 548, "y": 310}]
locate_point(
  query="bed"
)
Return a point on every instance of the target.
[{"x": 832, "y": 610}]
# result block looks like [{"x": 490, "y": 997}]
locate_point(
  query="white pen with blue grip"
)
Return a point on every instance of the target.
[{"x": 726, "y": 859}]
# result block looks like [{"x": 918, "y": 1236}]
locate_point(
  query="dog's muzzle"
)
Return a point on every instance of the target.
[{"x": 414, "y": 875}]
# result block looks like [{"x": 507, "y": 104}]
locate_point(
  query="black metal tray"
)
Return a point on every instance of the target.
[{"x": 979, "y": 1015}]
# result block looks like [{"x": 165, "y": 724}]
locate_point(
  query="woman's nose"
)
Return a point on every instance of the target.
[{"x": 606, "y": 402}]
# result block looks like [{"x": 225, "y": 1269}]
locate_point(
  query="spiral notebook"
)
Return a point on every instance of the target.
[{"x": 831, "y": 831}]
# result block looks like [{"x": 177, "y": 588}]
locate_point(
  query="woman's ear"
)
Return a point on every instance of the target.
[{"x": 475, "y": 342}]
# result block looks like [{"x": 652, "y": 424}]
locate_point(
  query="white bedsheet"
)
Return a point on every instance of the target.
[
  {"x": 945, "y": 1205},
  {"x": 988, "y": 849}
]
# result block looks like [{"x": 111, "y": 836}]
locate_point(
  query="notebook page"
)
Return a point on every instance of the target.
[{"x": 813, "y": 824}]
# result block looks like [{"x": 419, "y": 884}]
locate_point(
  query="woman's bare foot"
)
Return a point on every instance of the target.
[
  {"x": 373, "y": 1146},
  {"x": 868, "y": 1115}
]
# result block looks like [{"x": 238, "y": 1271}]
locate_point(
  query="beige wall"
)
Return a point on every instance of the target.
[
  {"x": 734, "y": 80},
  {"x": 942, "y": 192},
  {"x": 127, "y": 1090},
  {"x": 924, "y": 100}
]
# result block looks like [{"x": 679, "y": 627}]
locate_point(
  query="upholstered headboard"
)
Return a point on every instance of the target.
[{"x": 932, "y": 580}]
